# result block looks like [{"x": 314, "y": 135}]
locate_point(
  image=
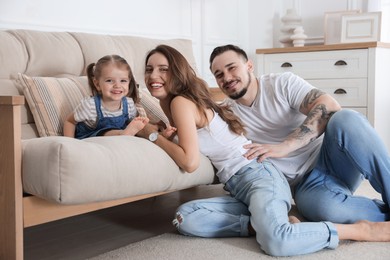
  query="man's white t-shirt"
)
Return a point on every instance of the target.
[{"x": 274, "y": 115}]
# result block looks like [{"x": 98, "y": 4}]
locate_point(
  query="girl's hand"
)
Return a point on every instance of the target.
[{"x": 135, "y": 125}]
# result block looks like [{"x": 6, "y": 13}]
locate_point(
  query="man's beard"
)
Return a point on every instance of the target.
[{"x": 243, "y": 91}]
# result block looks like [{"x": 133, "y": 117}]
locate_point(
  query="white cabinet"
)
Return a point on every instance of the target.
[{"x": 357, "y": 75}]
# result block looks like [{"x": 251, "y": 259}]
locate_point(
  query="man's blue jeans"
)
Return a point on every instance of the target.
[
  {"x": 261, "y": 195},
  {"x": 351, "y": 151}
]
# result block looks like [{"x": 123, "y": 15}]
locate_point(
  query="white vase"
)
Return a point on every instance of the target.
[
  {"x": 298, "y": 37},
  {"x": 290, "y": 21}
]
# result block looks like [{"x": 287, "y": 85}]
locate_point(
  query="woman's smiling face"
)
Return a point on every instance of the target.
[{"x": 156, "y": 74}]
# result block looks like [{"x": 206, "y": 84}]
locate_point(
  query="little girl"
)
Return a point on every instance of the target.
[{"x": 112, "y": 109}]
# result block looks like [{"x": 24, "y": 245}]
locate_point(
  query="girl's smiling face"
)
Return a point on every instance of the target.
[{"x": 113, "y": 83}]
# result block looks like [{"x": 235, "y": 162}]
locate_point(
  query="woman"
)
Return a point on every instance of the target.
[{"x": 258, "y": 189}]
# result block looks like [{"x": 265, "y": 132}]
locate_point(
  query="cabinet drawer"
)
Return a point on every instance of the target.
[
  {"x": 348, "y": 92},
  {"x": 319, "y": 64},
  {"x": 361, "y": 110}
]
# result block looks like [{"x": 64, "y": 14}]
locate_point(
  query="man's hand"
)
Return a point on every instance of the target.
[{"x": 263, "y": 151}]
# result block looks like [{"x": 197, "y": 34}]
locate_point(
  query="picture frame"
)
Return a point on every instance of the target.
[
  {"x": 332, "y": 25},
  {"x": 364, "y": 27}
]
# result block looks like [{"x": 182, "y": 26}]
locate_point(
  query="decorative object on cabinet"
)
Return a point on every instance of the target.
[
  {"x": 352, "y": 73},
  {"x": 290, "y": 21},
  {"x": 298, "y": 37},
  {"x": 365, "y": 27},
  {"x": 332, "y": 25}
]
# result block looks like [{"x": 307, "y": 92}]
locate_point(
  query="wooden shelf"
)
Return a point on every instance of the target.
[
  {"x": 217, "y": 94},
  {"x": 329, "y": 47}
]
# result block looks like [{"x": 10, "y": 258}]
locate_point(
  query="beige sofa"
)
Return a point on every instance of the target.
[{"x": 45, "y": 176}]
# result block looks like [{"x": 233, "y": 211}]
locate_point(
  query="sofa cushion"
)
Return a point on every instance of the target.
[
  {"x": 14, "y": 56},
  {"x": 50, "y": 53},
  {"x": 51, "y": 100},
  {"x": 71, "y": 171}
]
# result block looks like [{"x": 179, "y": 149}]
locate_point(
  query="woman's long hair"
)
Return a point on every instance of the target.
[{"x": 182, "y": 81}]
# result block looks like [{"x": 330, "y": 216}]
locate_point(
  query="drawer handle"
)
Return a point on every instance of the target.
[
  {"x": 340, "y": 63},
  {"x": 340, "y": 91},
  {"x": 286, "y": 65}
]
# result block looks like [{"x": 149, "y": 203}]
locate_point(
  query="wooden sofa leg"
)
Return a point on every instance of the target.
[{"x": 11, "y": 191}]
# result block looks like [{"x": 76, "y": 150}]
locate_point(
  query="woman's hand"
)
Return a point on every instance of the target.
[{"x": 169, "y": 132}]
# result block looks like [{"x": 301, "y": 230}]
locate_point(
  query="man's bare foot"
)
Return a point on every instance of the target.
[{"x": 374, "y": 231}]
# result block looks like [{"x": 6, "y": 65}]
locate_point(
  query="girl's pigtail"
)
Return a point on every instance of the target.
[{"x": 91, "y": 77}]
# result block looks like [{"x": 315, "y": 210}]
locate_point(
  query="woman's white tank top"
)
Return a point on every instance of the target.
[{"x": 223, "y": 147}]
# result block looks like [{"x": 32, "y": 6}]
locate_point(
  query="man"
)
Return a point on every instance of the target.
[{"x": 323, "y": 151}]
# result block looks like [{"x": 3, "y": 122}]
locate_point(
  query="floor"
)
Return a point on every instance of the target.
[{"x": 91, "y": 234}]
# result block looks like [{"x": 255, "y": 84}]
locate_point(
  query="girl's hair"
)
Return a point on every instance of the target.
[
  {"x": 182, "y": 81},
  {"x": 94, "y": 71}
]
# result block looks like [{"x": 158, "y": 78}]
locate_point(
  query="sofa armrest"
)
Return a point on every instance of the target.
[{"x": 11, "y": 191}]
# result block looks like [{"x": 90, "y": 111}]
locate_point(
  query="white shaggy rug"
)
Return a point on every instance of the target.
[
  {"x": 177, "y": 247},
  {"x": 172, "y": 246}
]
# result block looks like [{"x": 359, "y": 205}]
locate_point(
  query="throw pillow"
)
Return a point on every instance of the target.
[
  {"x": 152, "y": 107},
  {"x": 51, "y": 100}
]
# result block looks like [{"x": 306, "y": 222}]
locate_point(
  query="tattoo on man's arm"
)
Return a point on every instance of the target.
[
  {"x": 311, "y": 97},
  {"x": 316, "y": 120},
  {"x": 318, "y": 116},
  {"x": 304, "y": 130},
  {"x": 325, "y": 114}
]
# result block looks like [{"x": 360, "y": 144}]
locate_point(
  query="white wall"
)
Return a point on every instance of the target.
[
  {"x": 250, "y": 24},
  {"x": 167, "y": 19}
]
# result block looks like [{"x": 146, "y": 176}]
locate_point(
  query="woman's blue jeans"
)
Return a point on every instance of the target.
[
  {"x": 351, "y": 151},
  {"x": 261, "y": 195}
]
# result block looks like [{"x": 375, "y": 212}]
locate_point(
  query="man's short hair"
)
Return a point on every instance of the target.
[{"x": 230, "y": 47}]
